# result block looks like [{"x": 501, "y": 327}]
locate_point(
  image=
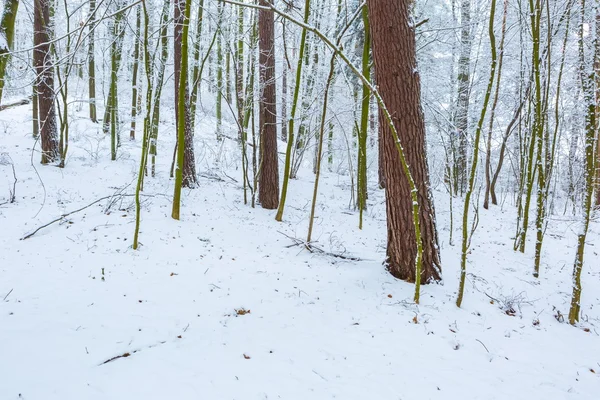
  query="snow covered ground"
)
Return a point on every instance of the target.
[{"x": 84, "y": 316}]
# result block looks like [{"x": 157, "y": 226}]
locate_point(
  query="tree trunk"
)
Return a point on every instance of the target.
[
  {"x": 488, "y": 150},
  {"x": 164, "y": 55},
  {"x": 269, "y": 163},
  {"x": 587, "y": 85},
  {"x": 597, "y": 95},
  {"x": 189, "y": 163},
  {"x": 462, "y": 104},
  {"x": 219, "y": 68},
  {"x": 44, "y": 69},
  {"x": 35, "y": 111},
  {"x": 134, "y": 78},
  {"x": 92, "y": 63},
  {"x": 197, "y": 70},
  {"x": 111, "y": 111},
  {"x": 7, "y": 29},
  {"x": 181, "y": 31},
  {"x": 291, "y": 134},
  {"x": 364, "y": 124},
  {"x": 393, "y": 44}
]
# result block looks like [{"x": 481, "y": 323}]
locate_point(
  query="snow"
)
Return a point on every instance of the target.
[
  {"x": 76, "y": 295},
  {"x": 3, "y": 42}
]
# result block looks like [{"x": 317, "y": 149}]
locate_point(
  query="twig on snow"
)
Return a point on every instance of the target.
[
  {"x": 311, "y": 247},
  {"x": 63, "y": 216},
  {"x": 7, "y": 294},
  {"x": 484, "y": 346}
]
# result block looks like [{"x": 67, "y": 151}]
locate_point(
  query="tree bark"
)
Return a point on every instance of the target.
[
  {"x": 134, "y": 78},
  {"x": 394, "y": 54},
  {"x": 92, "y": 63},
  {"x": 269, "y": 163},
  {"x": 462, "y": 104},
  {"x": 189, "y": 163},
  {"x": 44, "y": 70},
  {"x": 7, "y": 28}
]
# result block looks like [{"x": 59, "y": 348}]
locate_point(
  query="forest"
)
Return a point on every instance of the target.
[{"x": 299, "y": 199}]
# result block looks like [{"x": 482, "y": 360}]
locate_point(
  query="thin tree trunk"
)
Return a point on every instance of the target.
[
  {"x": 488, "y": 152},
  {"x": 111, "y": 117},
  {"x": 35, "y": 110},
  {"x": 134, "y": 78},
  {"x": 7, "y": 29},
  {"x": 164, "y": 55},
  {"x": 364, "y": 122},
  {"x": 291, "y": 133},
  {"x": 284, "y": 88},
  {"x": 587, "y": 82},
  {"x": 147, "y": 127},
  {"x": 197, "y": 70},
  {"x": 219, "y": 67},
  {"x": 466, "y": 236},
  {"x": 92, "y": 63},
  {"x": 462, "y": 104}
]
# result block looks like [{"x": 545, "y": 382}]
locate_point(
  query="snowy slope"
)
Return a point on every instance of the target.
[{"x": 316, "y": 328}]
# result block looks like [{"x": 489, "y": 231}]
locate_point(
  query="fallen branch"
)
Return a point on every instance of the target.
[
  {"x": 130, "y": 353},
  {"x": 63, "y": 216},
  {"x": 484, "y": 346},
  {"x": 8, "y": 294},
  {"x": 124, "y": 355},
  {"x": 311, "y": 247},
  {"x": 15, "y": 104}
]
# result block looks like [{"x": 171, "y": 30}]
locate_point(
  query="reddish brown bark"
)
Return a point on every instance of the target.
[
  {"x": 44, "y": 69},
  {"x": 399, "y": 85},
  {"x": 268, "y": 193},
  {"x": 598, "y": 172},
  {"x": 189, "y": 162}
]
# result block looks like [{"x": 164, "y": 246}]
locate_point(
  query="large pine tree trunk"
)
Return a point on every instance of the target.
[
  {"x": 269, "y": 163},
  {"x": 189, "y": 163},
  {"x": 44, "y": 70},
  {"x": 393, "y": 41}
]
